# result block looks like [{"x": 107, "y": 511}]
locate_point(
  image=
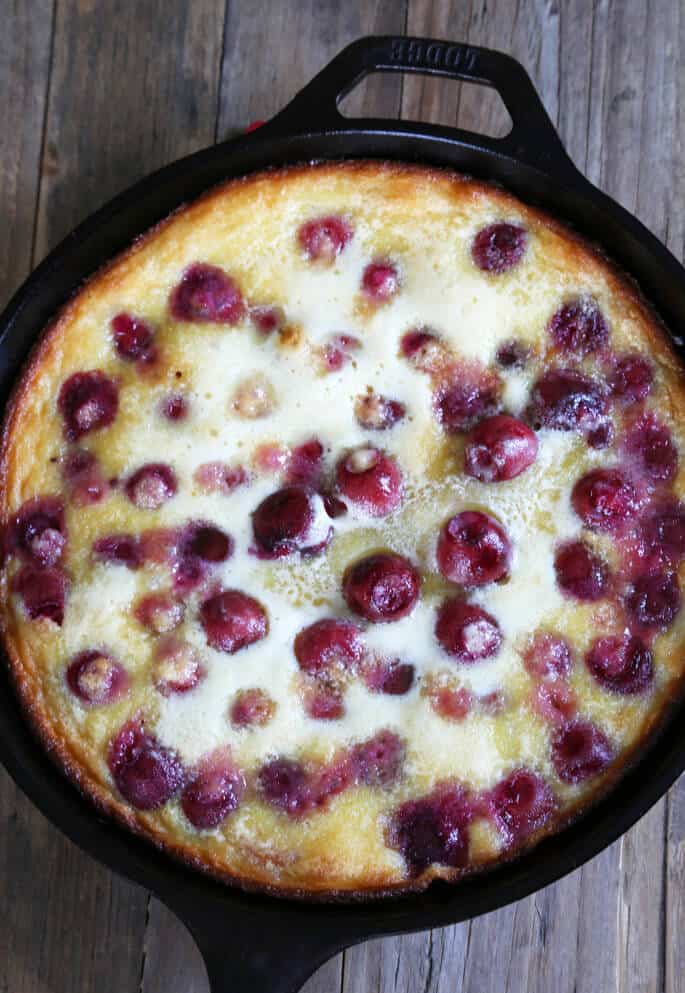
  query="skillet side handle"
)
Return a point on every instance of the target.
[{"x": 532, "y": 139}]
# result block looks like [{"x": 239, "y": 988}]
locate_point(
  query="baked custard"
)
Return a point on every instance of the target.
[{"x": 343, "y": 531}]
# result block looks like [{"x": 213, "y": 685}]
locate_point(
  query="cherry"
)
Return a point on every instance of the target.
[
  {"x": 499, "y": 448},
  {"x": 661, "y": 535},
  {"x": 631, "y": 377},
  {"x": 653, "y": 600},
  {"x": 159, "y": 612},
  {"x": 287, "y": 521},
  {"x": 206, "y": 295},
  {"x": 548, "y": 656},
  {"x": 580, "y": 573},
  {"x": 370, "y": 479},
  {"x": 37, "y": 532},
  {"x": 217, "y": 477},
  {"x": 305, "y": 463},
  {"x": 42, "y": 591},
  {"x": 121, "y": 549},
  {"x": 651, "y": 448},
  {"x": 201, "y": 544},
  {"x": 285, "y": 784},
  {"x": 424, "y": 350},
  {"x": 145, "y": 772},
  {"x": 324, "y": 238},
  {"x": 555, "y": 701},
  {"x": 433, "y": 830},
  {"x": 323, "y": 702},
  {"x": 213, "y": 791},
  {"x": 579, "y": 326},
  {"x": 522, "y": 804},
  {"x": 174, "y": 407},
  {"x": 466, "y": 631},
  {"x": 605, "y": 499},
  {"x": 499, "y": 247},
  {"x": 160, "y": 545},
  {"x": 133, "y": 339},
  {"x": 328, "y": 643},
  {"x": 460, "y": 402},
  {"x": 513, "y": 354},
  {"x": 473, "y": 549},
  {"x": 338, "y": 351},
  {"x": 378, "y": 413},
  {"x": 267, "y": 319},
  {"x": 252, "y": 708},
  {"x": 580, "y": 750},
  {"x": 379, "y": 760},
  {"x": 621, "y": 664},
  {"x": 380, "y": 281},
  {"x": 566, "y": 400},
  {"x": 82, "y": 472},
  {"x": 177, "y": 667},
  {"x": 87, "y": 401},
  {"x": 151, "y": 486},
  {"x": 601, "y": 436},
  {"x": 382, "y": 587},
  {"x": 233, "y": 620},
  {"x": 454, "y": 704},
  {"x": 390, "y": 676},
  {"x": 96, "y": 678}
]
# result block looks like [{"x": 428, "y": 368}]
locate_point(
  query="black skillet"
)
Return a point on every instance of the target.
[{"x": 260, "y": 944}]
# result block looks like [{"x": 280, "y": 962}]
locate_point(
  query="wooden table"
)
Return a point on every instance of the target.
[{"x": 96, "y": 93}]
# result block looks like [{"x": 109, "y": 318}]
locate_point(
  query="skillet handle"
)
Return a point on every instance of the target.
[{"x": 532, "y": 139}]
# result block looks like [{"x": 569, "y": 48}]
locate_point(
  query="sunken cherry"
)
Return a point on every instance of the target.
[
  {"x": 473, "y": 549},
  {"x": 37, "y": 532},
  {"x": 218, "y": 477},
  {"x": 555, "y": 701},
  {"x": 432, "y": 830},
  {"x": 378, "y": 761},
  {"x": 119, "y": 549},
  {"x": 42, "y": 591},
  {"x": 305, "y": 463},
  {"x": 662, "y": 535},
  {"x": 451, "y": 703},
  {"x": 631, "y": 377},
  {"x": 145, "y": 772},
  {"x": 207, "y": 542},
  {"x": 604, "y": 499},
  {"x": 578, "y": 326},
  {"x": 465, "y": 399},
  {"x": 233, "y": 620},
  {"x": 207, "y": 295},
  {"x": 174, "y": 407},
  {"x": 380, "y": 281},
  {"x": 547, "y": 656},
  {"x": 284, "y": 784},
  {"x": 621, "y": 664},
  {"x": 338, "y": 351},
  {"x": 328, "y": 643},
  {"x": 389, "y": 676},
  {"x": 324, "y": 238},
  {"x": 381, "y": 588},
  {"x": 213, "y": 791},
  {"x": 177, "y": 667},
  {"x": 323, "y": 702},
  {"x": 522, "y": 804},
  {"x": 370, "y": 479},
  {"x": 467, "y": 632},
  {"x": 254, "y": 397},
  {"x": 87, "y": 401},
  {"x": 133, "y": 339},
  {"x": 580, "y": 573},
  {"x": 82, "y": 471},
  {"x": 499, "y": 247},
  {"x": 151, "y": 486},
  {"x": 499, "y": 448},
  {"x": 650, "y": 447},
  {"x": 96, "y": 678},
  {"x": 566, "y": 400},
  {"x": 289, "y": 521},
  {"x": 159, "y": 612},
  {"x": 513, "y": 354},
  {"x": 580, "y": 750},
  {"x": 424, "y": 350},
  {"x": 251, "y": 708},
  {"x": 374, "y": 412},
  {"x": 653, "y": 600}
]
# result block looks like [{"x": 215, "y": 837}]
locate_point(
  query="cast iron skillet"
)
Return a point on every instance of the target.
[{"x": 260, "y": 944}]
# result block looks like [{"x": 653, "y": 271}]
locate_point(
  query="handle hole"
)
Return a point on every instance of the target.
[{"x": 430, "y": 99}]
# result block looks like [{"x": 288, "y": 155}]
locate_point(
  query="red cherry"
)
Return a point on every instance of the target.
[
  {"x": 133, "y": 339},
  {"x": 252, "y": 708},
  {"x": 621, "y": 664},
  {"x": 452, "y": 704},
  {"x": 120, "y": 549},
  {"x": 379, "y": 760},
  {"x": 466, "y": 631},
  {"x": 267, "y": 319},
  {"x": 306, "y": 463},
  {"x": 328, "y": 643},
  {"x": 96, "y": 678},
  {"x": 547, "y": 656},
  {"x": 381, "y": 588},
  {"x": 378, "y": 413},
  {"x": 284, "y": 783},
  {"x": 580, "y": 750},
  {"x": 566, "y": 400},
  {"x": 174, "y": 407},
  {"x": 233, "y": 620},
  {"x": 578, "y": 326},
  {"x": 151, "y": 486},
  {"x": 323, "y": 702},
  {"x": 87, "y": 401},
  {"x": 653, "y": 601},
  {"x": 473, "y": 549},
  {"x": 460, "y": 402},
  {"x": 81, "y": 470},
  {"x": 177, "y": 667},
  {"x": 370, "y": 479},
  {"x": 651, "y": 449},
  {"x": 605, "y": 499},
  {"x": 661, "y": 536},
  {"x": 37, "y": 532},
  {"x": 287, "y": 522},
  {"x": 499, "y": 247},
  {"x": 433, "y": 830},
  {"x": 580, "y": 573},
  {"x": 390, "y": 676},
  {"x": 338, "y": 351},
  {"x": 499, "y": 448},
  {"x": 145, "y": 772},
  {"x": 601, "y": 436},
  {"x": 324, "y": 238},
  {"x": 380, "y": 281},
  {"x": 631, "y": 377},
  {"x": 214, "y": 791},
  {"x": 206, "y": 294},
  {"x": 424, "y": 350},
  {"x": 42, "y": 591},
  {"x": 217, "y": 477},
  {"x": 513, "y": 354},
  {"x": 555, "y": 702},
  {"x": 522, "y": 804},
  {"x": 159, "y": 612}
]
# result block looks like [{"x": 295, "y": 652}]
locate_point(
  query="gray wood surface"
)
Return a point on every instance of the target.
[{"x": 94, "y": 94}]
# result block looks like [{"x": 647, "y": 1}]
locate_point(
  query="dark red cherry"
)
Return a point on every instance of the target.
[
  {"x": 473, "y": 549},
  {"x": 378, "y": 413},
  {"x": 513, "y": 354},
  {"x": 206, "y": 542},
  {"x": 631, "y": 377},
  {"x": 217, "y": 477},
  {"x": 654, "y": 600},
  {"x": 267, "y": 319},
  {"x": 177, "y": 666},
  {"x": 499, "y": 448},
  {"x": 328, "y": 643},
  {"x": 213, "y": 791},
  {"x": 547, "y": 656},
  {"x": 38, "y": 533},
  {"x": 466, "y": 631},
  {"x": 284, "y": 783},
  {"x": 252, "y": 708},
  {"x": 306, "y": 463},
  {"x": 601, "y": 436},
  {"x": 287, "y": 522},
  {"x": 580, "y": 750},
  {"x": 380, "y": 281},
  {"x": 566, "y": 400},
  {"x": 605, "y": 499},
  {"x": 83, "y": 474},
  {"x": 42, "y": 591},
  {"x": 121, "y": 549},
  {"x": 96, "y": 678},
  {"x": 370, "y": 479},
  {"x": 580, "y": 573},
  {"x": 233, "y": 620},
  {"x": 159, "y": 612},
  {"x": 462, "y": 401},
  {"x": 621, "y": 664},
  {"x": 522, "y": 804},
  {"x": 324, "y": 238},
  {"x": 133, "y": 339},
  {"x": 499, "y": 247},
  {"x": 151, "y": 486},
  {"x": 206, "y": 294},
  {"x": 87, "y": 402},
  {"x": 382, "y": 587},
  {"x": 174, "y": 407},
  {"x": 424, "y": 350},
  {"x": 379, "y": 760},
  {"x": 433, "y": 830},
  {"x": 579, "y": 326},
  {"x": 651, "y": 449},
  {"x": 145, "y": 772},
  {"x": 389, "y": 676},
  {"x": 661, "y": 537}
]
